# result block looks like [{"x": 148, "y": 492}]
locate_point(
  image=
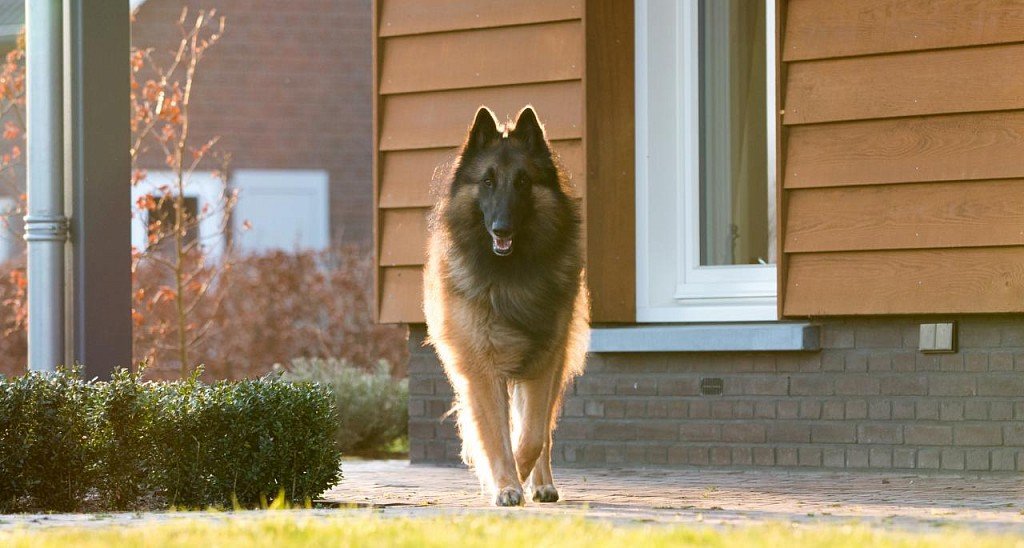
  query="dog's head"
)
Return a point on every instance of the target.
[{"x": 507, "y": 174}]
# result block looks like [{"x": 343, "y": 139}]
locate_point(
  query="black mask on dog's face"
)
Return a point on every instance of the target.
[{"x": 502, "y": 172}]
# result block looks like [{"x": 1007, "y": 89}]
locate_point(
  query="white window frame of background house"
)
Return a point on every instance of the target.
[
  {"x": 672, "y": 285},
  {"x": 262, "y": 193},
  {"x": 205, "y": 187}
]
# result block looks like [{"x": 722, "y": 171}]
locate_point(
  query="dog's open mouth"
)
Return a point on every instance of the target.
[{"x": 501, "y": 246}]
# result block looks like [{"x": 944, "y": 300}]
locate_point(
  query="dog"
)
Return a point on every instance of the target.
[{"x": 506, "y": 302}]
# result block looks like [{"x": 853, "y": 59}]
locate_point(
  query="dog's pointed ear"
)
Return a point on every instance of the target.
[
  {"x": 529, "y": 130},
  {"x": 484, "y": 130}
]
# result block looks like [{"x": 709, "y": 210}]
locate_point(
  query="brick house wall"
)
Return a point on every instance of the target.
[
  {"x": 288, "y": 87},
  {"x": 868, "y": 399}
]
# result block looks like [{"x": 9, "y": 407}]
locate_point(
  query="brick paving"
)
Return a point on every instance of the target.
[{"x": 710, "y": 496}]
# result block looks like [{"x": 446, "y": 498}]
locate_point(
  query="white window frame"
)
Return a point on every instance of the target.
[
  {"x": 205, "y": 187},
  {"x": 672, "y": 285}
]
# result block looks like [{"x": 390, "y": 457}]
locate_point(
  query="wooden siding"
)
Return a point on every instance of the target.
[
  {"x": 435, "y": 63},
  {"x": 903, "y": 130}
]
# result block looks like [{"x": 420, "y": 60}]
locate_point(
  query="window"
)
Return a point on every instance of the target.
[
  {"x": 288, "y": 210},
  {"x": 202, "y": 190},
  {"x": 705, "y": 160}
]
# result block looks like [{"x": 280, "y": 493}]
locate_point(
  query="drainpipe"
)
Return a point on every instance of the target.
[{"x": 45, "y": 225}]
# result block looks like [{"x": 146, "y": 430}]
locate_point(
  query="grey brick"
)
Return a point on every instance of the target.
[
  {"x": 765, "y": 386},
  {"x": 857, "y": 385},
  {"x": 721, "y": 409},
  {"x": 904, "y": 385},
  {"x": 698, "y": 456},
  {"x": 788, "y": 409},
  {"x": 1000, "y": 411},
  {"x": 417, "y": 407},
  {"x": 878, "y": 336},
  {"x": 636, "y": 386},
  {"x": 743, "y": 410},
  {"x": 834, "y": 458},
  {"x": 422, "y": 429},
  {"x": 1000, "y": 361},
  {"x": 1013, "y": 434},
  {"x": 1001, "y": 385},
  {"x": 743, "y": 432},
  {"x": 978, "y": 336},
  {"x": 764, "y": 456},
  {"x": 952, "y": 459},
  {"x": 788, "y": 432},
  {"x": 764, "y": 410},
  {"x": 833, "y": 433},
  {"x": 902, "y": 410},
  {"x": 721, "y": 456},
  {"x": 880, "y": 433},
  {"x": 657, "y": 431},
  {"x": 636, "y": 409},
  {"x": 1003, "y": 459},
  {"x": 926, "y": 434},
  {"x": 679, "y": 386},
  {"x": 810, "y": 385},
  {"x": 421, "y": 386},
  {"x": 700, "y": 409},
  {"x": 678, "y": 454},
  {"x": 880, "y": 362},
  {"x": 833, "y": 410},
  {"x": 880, "y": 410},
  {"x": 657, "y": 455},
  {"x": 904, "y": 361},
  {"x": 951, "y": 385},
  {"x": 810, "y": 409},
  {"x": 787, "y": 364},
  {"x": 832, "y": 361},
  {"x": 975, "y": 410},
  {"x": 588, "y": 385},
  {"x": 977, "y": 459},
  {"x": 614, "y": 430},
  {"x": 835, "y": 335},
  {"x": 880, "y": 457},
  {"x": 929, "y": 459},
  {"x": 903, "y": 457},
  {"x": 700, "y": 431},
  {"x": 786, "y": 456},
  {"x": 857, "y": 409},
  {"x": 856, "y": 362},
  {"x": 809, "y": 456},
  {"x": 976, "y": 362},
  {"x": 927, "y": 362},
  {"x": 951, "y": 362},
  {"x": 856, "y": 457},
  {"x": 595, "y": 408},
  {"x": 613, "y": 409},
  {"x": 951, "y": 410},
  {"x": 927, "y": 409},
  {"x": 742, "y": 456}
]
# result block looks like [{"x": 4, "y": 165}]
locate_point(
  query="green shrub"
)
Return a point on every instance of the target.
[
  {"x": 373, "y": 407},
  {"x": 135, "y": 444},
  {"x": 45, "y": 460}
]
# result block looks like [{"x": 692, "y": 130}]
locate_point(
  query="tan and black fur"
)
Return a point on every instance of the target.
[{"x": 506, "y": 302}]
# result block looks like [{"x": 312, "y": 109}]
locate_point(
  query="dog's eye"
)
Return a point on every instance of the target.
[{"x": 488, "y": 182}]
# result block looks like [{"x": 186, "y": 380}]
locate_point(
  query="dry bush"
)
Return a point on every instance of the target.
[{"x": 279, "y": 306}]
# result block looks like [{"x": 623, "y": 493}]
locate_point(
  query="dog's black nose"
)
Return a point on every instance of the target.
[{"x": 501, "y": 230}]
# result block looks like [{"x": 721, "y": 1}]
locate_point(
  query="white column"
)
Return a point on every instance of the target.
[{"x": 45, "y": 224}]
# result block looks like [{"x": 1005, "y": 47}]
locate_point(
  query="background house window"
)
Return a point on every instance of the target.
[
  {"x": 705, "y": 160},
  {"x": 288, "y": 210},
  {"x": 161, "y": 224}
]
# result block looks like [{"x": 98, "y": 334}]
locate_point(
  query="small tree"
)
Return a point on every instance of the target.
[{"x": 176, "y": 252}]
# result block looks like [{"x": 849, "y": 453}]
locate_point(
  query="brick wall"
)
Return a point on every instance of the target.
[
  {"x": 288, "y": 87},
  {"x": 869, "y": 399}
]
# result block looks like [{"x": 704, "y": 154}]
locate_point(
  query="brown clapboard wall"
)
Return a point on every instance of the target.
[
  {"x": 436, "y": 62},
  {"x": 903, "y": 157}
]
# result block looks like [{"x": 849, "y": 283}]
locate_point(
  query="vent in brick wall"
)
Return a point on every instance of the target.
[{"x": 711, "y": 386}]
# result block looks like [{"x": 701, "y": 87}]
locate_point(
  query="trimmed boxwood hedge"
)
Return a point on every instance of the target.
[{"x": 67, "y": 444}]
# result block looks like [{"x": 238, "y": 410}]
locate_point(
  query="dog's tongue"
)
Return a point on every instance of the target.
[{"x": 502, "y": 244}]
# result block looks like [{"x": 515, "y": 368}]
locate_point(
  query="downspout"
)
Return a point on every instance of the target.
[{"x": 45, "y": 224}]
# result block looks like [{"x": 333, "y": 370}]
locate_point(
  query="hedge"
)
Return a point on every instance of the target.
[{"x": 67, "y": 444}]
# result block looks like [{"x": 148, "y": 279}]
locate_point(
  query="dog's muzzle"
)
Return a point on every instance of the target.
[{"x": 501, "y": 246}]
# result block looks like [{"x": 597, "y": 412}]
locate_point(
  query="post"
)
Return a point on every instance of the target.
[
  {"x": 45, "y": 224},
  {"x": 98, "y": 167}
]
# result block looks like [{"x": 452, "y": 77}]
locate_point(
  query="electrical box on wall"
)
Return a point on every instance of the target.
[{"x": 938, "y": 337}]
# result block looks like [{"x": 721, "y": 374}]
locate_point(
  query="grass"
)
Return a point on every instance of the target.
[{"x": 363, "y": 529}]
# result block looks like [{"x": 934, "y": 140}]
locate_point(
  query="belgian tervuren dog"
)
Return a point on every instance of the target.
[{"x": 506, "y": 301}]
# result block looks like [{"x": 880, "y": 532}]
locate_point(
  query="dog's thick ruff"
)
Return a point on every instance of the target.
[{"x": 506, "y": 302}]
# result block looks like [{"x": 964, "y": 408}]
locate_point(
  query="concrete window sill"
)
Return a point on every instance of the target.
[{"x": 723, "y": 337}]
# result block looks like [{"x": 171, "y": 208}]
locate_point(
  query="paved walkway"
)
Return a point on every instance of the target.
[{"x": 710, "y": 496}]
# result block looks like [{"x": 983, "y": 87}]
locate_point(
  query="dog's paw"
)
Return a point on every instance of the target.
[
  {"x": 545, "y": 493},
  {"x": 510, "y": 496}
]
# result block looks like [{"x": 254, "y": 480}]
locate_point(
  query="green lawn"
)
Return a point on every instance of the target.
[{"x": 368, "y": 530}]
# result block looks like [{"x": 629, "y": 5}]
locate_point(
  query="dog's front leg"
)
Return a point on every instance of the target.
[{"x": 487, "y": 400}]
